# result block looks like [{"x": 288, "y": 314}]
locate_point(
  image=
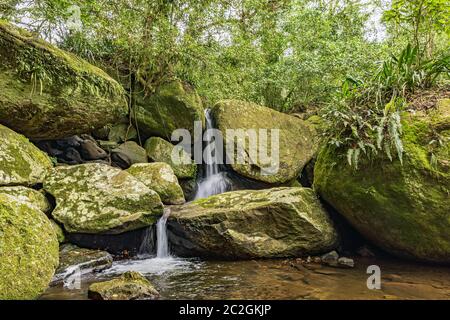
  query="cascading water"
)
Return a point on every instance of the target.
[
  {"x": 214, "y": 180},
  {"x": 162, "y": 242}
]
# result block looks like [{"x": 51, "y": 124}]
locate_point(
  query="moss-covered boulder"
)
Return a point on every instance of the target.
[
  {"x": 21, "y": 162},
  {"x": 122, "y": 132},
  {"x": 28, "y": 250},
  {"x": 159, "y": 176},
  {"x": 403, "y": 209},
  {"x": 30, "y": 196},
  {"x": 48, "y": 93},
  {"x": 129, "y": 286},
  {"x": 297, "y": 140},
  {"x": 160, "y": 150},
  {"x": 274, "y": 223},
  {"x": 174, "y": 105},
  {"x": 96, "y": 198}
]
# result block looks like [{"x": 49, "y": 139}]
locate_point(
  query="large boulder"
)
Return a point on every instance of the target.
[
  {"x": 48, "y": 93},
  {"x": 159, "y": 176},
  {"x": 297, "y": 140},
  {"x": 97, "y": 198},
  {"x": 128, "y": 154},
  {"x": 160, "y": 150},
  {"x": 129, "y": 286},
  {"x": 30, "y": 196},
  {"x": 401, "y": 208},
  {"x": 174, "y": 105},
  {"x": 22, "y": 163},
  {"x": 28, "y": 250},
  {"x": 274, "y": 223}
]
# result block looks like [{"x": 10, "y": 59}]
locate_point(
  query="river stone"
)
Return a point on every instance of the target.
[
  {"x": 21, "y": 162},
  {"x": 274, "y": 223},
  {"x": 175, "y": 105},
  {"x": 73, "y": 258},
  {"x": 28, "y": 250},
  {"x": 297, "y": 140},
  {"x": 159, "y": 176},
  {"x": 32, "y": 197},
  {"x": 97, "y": 198},
  {"x": 128, "y": 154},
  {"x": 403, "y": 209},
  {"x": 129, "y": 286},
  {"x": 159, "y": 150},
  {"x": 48, "y": 93}
]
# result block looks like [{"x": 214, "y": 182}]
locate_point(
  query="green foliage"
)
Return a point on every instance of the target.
[{"x": 365, "y": 118}]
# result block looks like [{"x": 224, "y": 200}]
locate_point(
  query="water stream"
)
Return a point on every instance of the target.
[{"x": 214, "y": 180}]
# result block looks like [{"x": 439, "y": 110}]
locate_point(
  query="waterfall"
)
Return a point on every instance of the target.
[
  {"x": 214, "y": 180},
  {"x": 162, "y": 242}
]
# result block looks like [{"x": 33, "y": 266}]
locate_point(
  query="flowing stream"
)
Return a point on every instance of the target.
[
  {"x": 214, "y": 180},
  {"x": 162, "y": 242}
]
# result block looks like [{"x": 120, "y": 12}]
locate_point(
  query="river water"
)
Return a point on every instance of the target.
[{"x": 275, "y": 279}]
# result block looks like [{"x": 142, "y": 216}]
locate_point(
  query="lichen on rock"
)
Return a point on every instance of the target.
[
  {"x": 32, "y": 197},
  {"x": 21, "y": 162},
  {"x": 159, "y": 176},
  {"x": 28, "y": 250},
  {"x": 97, "y": 198}
]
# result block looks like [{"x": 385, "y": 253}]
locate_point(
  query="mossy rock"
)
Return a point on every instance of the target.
[
  {"x": 297, "y": 140},
  {"x": 122, "y": 132},
  {"x": 30, "y": 196},
  {"x": 404, "y": 209},
  {"x": 160, "y": 150},
  {"x": 129, "y": 286},
  {"x": 96, "y": 198},
  {"x": 174, "y": 105},
  {"x": 159, "y": 177},
  {"x": 22, "y": 163},
  {"x": 28, "y": 250},
  {"x": 128, "y": 154},
  {"x": 273, "y": 223},
  {"x": 48, "y": 93},
  {"x": 59, "y": 231}
]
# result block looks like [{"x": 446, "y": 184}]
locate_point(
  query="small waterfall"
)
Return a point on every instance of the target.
[
  {"x": 214, "y": 180},
  {"x": 162, "y": 242}
]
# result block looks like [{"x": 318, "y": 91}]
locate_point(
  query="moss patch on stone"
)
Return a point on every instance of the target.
[{"x": 28, "y": 250}]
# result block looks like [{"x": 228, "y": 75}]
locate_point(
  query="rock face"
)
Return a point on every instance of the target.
[
  {"x": 32, "y": 197},
  {"x": 22, "y": 163},
  {"x": 159, "y": 150},
  {"x": 41, "y": 83},
  {"x": 97, "y": 198},
  {"x": 28, "y": 250},
  {"x": 297, "y": 140},
  {"x": 174, "y": 105},
  {"x": 403, "y": 209},
  {"x": 274, "y": 223},
  {"x": 159, "y": 177},
  {"x": 129, "y": 286},
  {"x": 73, "y": 258}
]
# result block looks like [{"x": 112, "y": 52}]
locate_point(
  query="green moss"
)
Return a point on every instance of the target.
[
  {"x": 403, "y": 209},
  {"x": 28, "y": 250},
  {"x": 42, "y": 83}
]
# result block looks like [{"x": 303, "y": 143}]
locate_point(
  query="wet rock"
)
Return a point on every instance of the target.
[
  {"x": 129, "y": 286},
  {"x": 28, "y": 250},
  {"x": 71, "y": 156},
  {"x": 128, "y": 154},
  {"x": 97, "y": 198},
  {"x": 108, "y": 146},
  {"x": 274, "y": 223},
  {"x": 74, "y": 259},
  {"x": 346, "y": 262},
  {"x": 330, "y": 259},
  {"x": 22, "y": 163}
]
